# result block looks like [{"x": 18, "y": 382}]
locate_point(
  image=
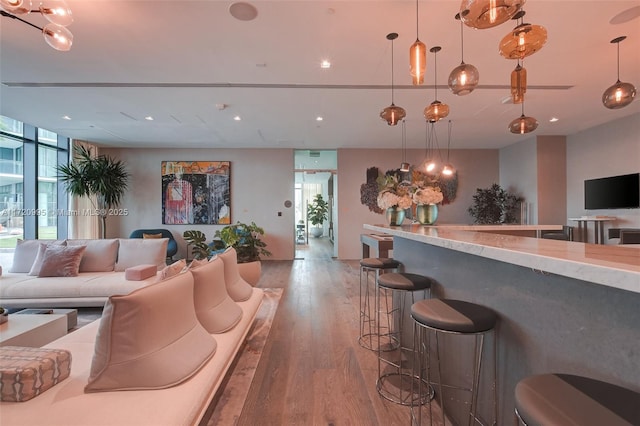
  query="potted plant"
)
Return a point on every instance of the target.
[
  {"x": 102, "y": 177},
  {"x": 246, "y": 240},
  {"x": 494, "y": 205},
  {"x": 317, "y": 214}
]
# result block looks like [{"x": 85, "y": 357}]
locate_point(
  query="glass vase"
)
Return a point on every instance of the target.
[
  {"x": 395, "y": 216},
  {"x": 427, "y": 213}
]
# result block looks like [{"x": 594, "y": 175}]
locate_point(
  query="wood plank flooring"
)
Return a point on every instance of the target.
[{"x": 312, "y": 371}]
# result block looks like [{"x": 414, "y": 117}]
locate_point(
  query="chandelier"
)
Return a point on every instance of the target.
[{"x": 57, "y": 12}]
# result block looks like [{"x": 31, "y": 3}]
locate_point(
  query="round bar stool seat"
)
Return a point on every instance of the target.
[
  {"x": 564, "y": 399},
  {"x": 395, "y": 381},
  {"x": 453, "y": 317},
  {"x": 368, "y": 331}
]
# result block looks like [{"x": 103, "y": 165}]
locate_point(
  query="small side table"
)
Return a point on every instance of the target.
[
  {"x": 598, "y": 224},
  {"x": 32, "y": 330}
]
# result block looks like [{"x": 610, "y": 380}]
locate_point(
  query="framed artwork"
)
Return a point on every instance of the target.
[{"x": 196, "y": 192}]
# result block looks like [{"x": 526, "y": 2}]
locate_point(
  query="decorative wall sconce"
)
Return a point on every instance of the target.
[
  {"x": 436, "y": 110},
  {"x": 524, "y": 40},
  {"x": 488, "y": 13},
  {"x": 620, "y": 94},
  {"x": 55, "y": 11},
  {"x": 418, "y": 57},
  {"x": 392, "y": 114},
  {"x": 465, "y": 77}
]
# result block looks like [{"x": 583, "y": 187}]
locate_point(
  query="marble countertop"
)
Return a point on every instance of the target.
[{"x": 614, "y": 266}]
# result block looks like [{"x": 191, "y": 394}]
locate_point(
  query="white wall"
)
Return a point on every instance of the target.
[
  {"x": 607, "y": 150},
  {"x": 518, "y": 173}
]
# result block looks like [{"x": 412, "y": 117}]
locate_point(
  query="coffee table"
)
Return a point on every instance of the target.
[{"x": 32, "y": 330}]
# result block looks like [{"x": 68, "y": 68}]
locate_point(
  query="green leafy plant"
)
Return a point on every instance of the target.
[
  {"x": 317, "y": 210},
  {"x": 102, "y": 177},
  {"x": 198, "y": 242},
  {"x": 494, "y": 205},
  {"x": 245, "y": 239}
]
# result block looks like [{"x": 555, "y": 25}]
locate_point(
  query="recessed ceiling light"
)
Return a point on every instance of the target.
[
  {"x": 66, "y": 117},
  {"x": 148, "y": 118},
  {"x": 553, "y": 119},
  {"x": 325, "y": 64},
  {"x": 237, "y": 118},
  {"x": 319, "y": 118}
]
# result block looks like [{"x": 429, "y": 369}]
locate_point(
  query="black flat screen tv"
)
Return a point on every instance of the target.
[{"x": 615, "y": 192}]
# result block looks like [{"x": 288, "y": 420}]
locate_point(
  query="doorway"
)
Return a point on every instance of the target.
[{"x": 315, "y": 175}]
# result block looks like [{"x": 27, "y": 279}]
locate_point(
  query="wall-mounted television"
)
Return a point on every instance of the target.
[{"x": 614, "y": 192}]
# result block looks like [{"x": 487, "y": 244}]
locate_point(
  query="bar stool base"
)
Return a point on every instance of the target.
[{"x": 397, "y": 388}]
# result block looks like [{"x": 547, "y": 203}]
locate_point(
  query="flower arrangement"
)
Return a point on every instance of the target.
[
  {"x": 427, "y": 195},
  {"x": 394, "y": 192}
]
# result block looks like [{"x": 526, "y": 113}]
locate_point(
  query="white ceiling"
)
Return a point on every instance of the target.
[{"x": 176, "y": 60}]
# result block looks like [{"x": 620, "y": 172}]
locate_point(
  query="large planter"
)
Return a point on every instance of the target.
[
  {"x": 250, "y": 272},
  {"x": 316, "y": 231},
  {"x": 395, "y": 216},
  {"x": 427, "y": 213}
]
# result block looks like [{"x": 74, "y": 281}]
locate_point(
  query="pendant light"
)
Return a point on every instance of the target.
[
  {"x": 518, "y": 83},
  {"x": 418, "y": 57},
  {"x": 523, "y": 124},
  {"x": 524, "y": 40},
  {"x": 488, "y": 13},
  {"x": 620, "y": 94},
  {"x": 404, "y": 166},
  {"x": 392, "y": 114},
  {"x": 436, "y": 110},
  {"x": 465, "y": 77},
  {"x": 448, "y": 170},
  {"x": 16, "y": 6},
  {"x": 432, "y": 158},
  {"x": 56, "y": 12}
]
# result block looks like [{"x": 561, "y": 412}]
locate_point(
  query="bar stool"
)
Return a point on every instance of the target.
[
  {"x": 395, "y": 383},
  {"x": 454, "y": 317},
  {"x": 368, "y": 332},
  {"x": 564, "y": 399}
]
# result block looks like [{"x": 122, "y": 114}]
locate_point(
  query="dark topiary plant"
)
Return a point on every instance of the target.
[{"x": 494, "y": 205}]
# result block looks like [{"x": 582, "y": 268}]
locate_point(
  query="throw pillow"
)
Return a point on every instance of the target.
[
  {"x": 151, "y": 236},
  {"x": 26, "y": 252},
  {"x": 238, "y": 289},
  {"x": 140, "y": 251},
  {"x": 174, "y": 269},
  {"x": 150, "y": 339},
  {"x": 100, "y": 255},
  {"x": 61, "y": 261},
  {"x": 37, "y": 263},
  {"x": 215, "y": 310}
]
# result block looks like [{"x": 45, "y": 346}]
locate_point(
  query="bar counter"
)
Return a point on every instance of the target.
[{"x": 564, "y": 307}]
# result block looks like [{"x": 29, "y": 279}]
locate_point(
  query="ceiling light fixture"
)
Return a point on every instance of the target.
[
  {"x": 518, "y": 83},
  {"x": 524, "y": 40},
  {"x": 237, "y": 118},
  {"x": 325, "y": 64},
  {"x": 436, "y": 110},
  {"x": 404, "y": 166},
  {"x": 433, "y": 157},
  {"x": 418, "y": 57},
  {"x": 488, "y": 13},
  {"x": 465, "y": 77},
  {"x": 55, "y": 11},
  {"x": 392, "y": 114},
  {"x": 448, "y": 169},
  {"x": 523, "y": 124},
  {"x": 620, "y": 94}
]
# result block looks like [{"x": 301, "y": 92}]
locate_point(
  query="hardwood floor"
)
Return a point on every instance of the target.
[{"x": 312, "y": 371}]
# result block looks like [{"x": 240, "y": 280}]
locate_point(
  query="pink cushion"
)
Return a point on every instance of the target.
[
  {"x": 140, "y": 272},
  {"x": 61, "y": 261}
]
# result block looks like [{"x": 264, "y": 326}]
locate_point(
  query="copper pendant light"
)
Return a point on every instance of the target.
[
  {"x": 620, "y": 94},
  {"x": 488, "y": 13},
  {"x": 518, "y": 83},
  {"x": 392, "y": 114},
  {"x": 448, "y": 170},
  {"x": 524, "y": 40},
  {"x": 417, "y": 57},
  {"x": 465, "y": 77},
  {"x": 523, "y": 124},
  {"x": 436, "y": 110}
]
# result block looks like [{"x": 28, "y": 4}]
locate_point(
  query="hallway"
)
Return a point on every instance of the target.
[{"x": 318, "y": 248}]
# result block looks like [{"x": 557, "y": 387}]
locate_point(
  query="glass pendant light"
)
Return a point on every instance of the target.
[
  {"x": 58, "y": 37},
  {"x": 518, "y": 84},
  {"x": 404, "y": 166},
  {"x": 18, "y": 7},
  {"x": 524, "y": 40},
  {"x": 57, "y": 12},
  {"x": 436, "y": 110},
  {"x": 620, "y": 94},
  {"x": 488, "y": 13},
  {"x": 465, "y": 77},
  {"x": 392, "y": 114},
  {"x": 448, "y": 169},
  {"x": 523, "y": 124},
  {"x": 433, "y": 158},
  {"x": 417, "y": 57}
]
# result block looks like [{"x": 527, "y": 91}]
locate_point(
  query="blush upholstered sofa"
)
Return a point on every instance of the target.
[
  {"x": 100, "y": 273},
  {"x": 156, "y": 357}
]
